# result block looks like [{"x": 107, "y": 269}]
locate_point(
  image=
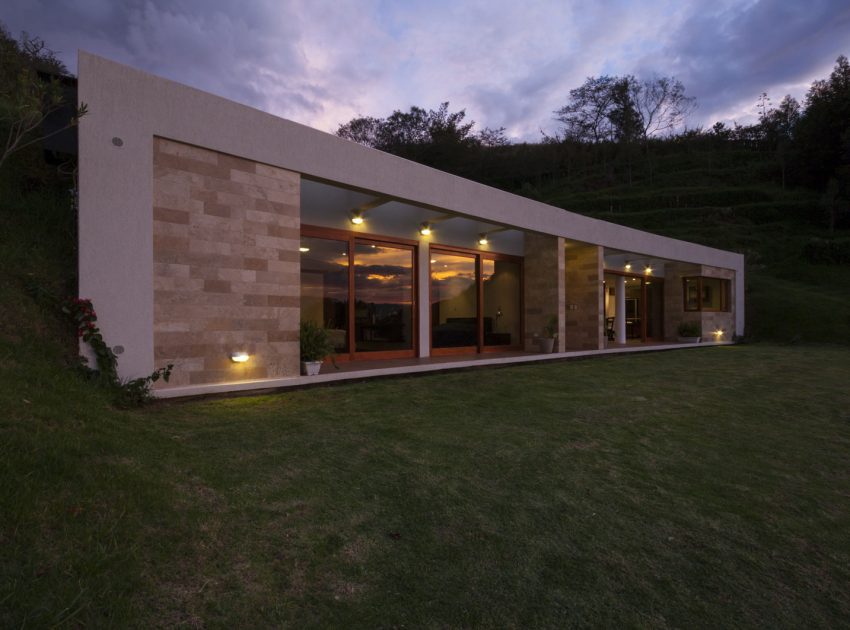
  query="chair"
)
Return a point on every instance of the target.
[{"x": 609, "y": 328}]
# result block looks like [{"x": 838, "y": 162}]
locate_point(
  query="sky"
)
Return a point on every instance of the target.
[{"x": 508, "y": 63}]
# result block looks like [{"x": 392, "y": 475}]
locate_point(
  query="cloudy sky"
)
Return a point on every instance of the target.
[{"x": 509, "y": 63}]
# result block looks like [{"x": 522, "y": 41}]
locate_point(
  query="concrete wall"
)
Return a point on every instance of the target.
[
  {"x": 584, "y": 316},
  {"x": 225, "y": 266},
  {"x": 543, "y": 268}
]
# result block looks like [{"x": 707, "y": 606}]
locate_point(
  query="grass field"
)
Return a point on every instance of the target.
[{"x": 697, "y": 488}]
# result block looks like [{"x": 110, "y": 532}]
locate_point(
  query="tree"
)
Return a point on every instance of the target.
[
  {"x": 624, "y": 109},
  {"x": 30, "y": 90},
  {"x": 587, "y": 117},
  {"x": 401, "y": 131},
  {"x": 660, "y": 104},
  {"x": 821, "y": 141}
]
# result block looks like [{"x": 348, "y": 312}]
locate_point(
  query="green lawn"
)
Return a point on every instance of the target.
[{"x": 698, "y": 488}]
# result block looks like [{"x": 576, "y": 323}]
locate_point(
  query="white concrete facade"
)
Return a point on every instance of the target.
[{"x": 128, "y": 108}]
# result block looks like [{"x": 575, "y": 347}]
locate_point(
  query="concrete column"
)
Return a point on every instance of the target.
[
  {"x": 423, "y": 297},
  {"x": 620, "y": 310}
]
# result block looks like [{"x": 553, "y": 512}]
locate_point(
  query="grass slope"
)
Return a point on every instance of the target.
[{"x": 694, "y": 488}]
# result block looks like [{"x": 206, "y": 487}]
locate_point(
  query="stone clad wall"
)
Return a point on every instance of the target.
[
  {"x": 584, "y": 323},
  {"x": 674, "y": 310},
  {"x": 543, "y": 270},
  {"x": 725, "y": 321},
  {"x": 226, "y": 265}
]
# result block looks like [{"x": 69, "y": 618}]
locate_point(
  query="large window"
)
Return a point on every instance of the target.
[
  {"x": 383, "y": 294},
  {"x": 324, "y": 287},
  {"x": 454, "y": 301},
  {"x": 706, "y": 294},
  {"x": 476, "y": 301},
  {"x": 502, "y": 289},
  {"x": 378, "y": 321}
]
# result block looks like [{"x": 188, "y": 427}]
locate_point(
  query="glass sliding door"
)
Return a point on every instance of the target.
[
  {"x": 654, "y": 308},
  {"x": 324, "y": 287},
  {"x": 454, "y": 301},
  {"x": 476, "y": 301},
  {"x": 383, "y": 298},
  {"x": 502, "y": 290}
]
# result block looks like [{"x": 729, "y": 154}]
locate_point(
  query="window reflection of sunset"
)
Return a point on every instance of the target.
[{"x": 383, "y": 275}]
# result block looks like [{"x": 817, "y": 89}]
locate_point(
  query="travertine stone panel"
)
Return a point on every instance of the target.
[
  {"x": 226, "y": 265},
  {"x": 584, "y": 324},
  {"x": 674, "y": 309},
  {"x": 543, "y": 269},
  {"x": 725, "y": 321}
]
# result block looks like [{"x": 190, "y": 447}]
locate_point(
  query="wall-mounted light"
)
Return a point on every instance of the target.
[
  {"x": 628, "y": 266},
  {"x": 357, "y": 217},
  {"x": 425, "y": 229},
  {"x": 239, "y": 357},
  {"x": 718, "y": 334},
  {"x": 482, "y": 239},
  {"x": 303, "y": 249},
  {"x": 647, "y": 270}
]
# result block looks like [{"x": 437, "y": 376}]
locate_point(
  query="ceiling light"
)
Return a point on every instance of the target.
[
  {"x": 357, "y": 217},
  {"x": 303, "y": 249},
  {"x": 628, "y": 266},
  {"x": 482, "y": 239},
  {"x": 433, "y": 260},
  {"x": 425, "y": 229},
  {"x": 647, "y": 270},
  {"x": 239, "y": 357}
]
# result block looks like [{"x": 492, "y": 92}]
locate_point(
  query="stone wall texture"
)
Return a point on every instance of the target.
[
  {"x": 226, "y": 265},
  {"x": 543, "y": 267},
  {"x": 674, "y": 310},
  {"x": 584, "y": 315}
]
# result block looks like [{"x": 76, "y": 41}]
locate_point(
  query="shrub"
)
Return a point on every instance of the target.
[
  {"x": 315, "y": 342},
  {"x": 690, "y": 329}
]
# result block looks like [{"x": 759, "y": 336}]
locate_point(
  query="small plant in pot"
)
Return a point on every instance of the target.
[
  {"x": 689, "y": 332},
  {"x": 315, "y": 347},
  {"x": 550, "y": 334}
]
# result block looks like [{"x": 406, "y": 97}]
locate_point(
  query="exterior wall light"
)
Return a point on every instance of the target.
[
  {"x": 239, "y": 357},
  {"x": 647, "y": 270},
  {"x": 482, "y": 239},
  {"x": 425, "y": 229},
  {"x": 718, "y": 334},
  {"x": 628, "y": 266},
  {"x": 357, "y": 217}
]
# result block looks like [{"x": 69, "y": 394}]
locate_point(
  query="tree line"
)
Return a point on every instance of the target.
[{"x": 614, "y": 129}]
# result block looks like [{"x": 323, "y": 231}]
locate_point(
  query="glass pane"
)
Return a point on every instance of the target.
[
  {"x": 691, "y": 294},
  {"x": 501, "y": 280},
  {"x": 454, "y": 301},
  {"x": 383, "y": 293},
  {"x": 633, "y": 308},
  {"x": 324, "y": 287},
  {"x": 711, "y": 294},
  {"x": 655, "y": 308}
]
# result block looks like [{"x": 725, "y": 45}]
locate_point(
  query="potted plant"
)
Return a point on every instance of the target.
[
  {"x": 315, "y": 347},
  {"x": 689, "y": 332},
  {"x": 550, "y": 334}
]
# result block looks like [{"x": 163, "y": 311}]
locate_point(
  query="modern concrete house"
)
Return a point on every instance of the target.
[{"x": 209, "y": 230}]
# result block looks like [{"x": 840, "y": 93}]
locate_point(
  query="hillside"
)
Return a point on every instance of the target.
[{"x": 730, "y": 200}]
